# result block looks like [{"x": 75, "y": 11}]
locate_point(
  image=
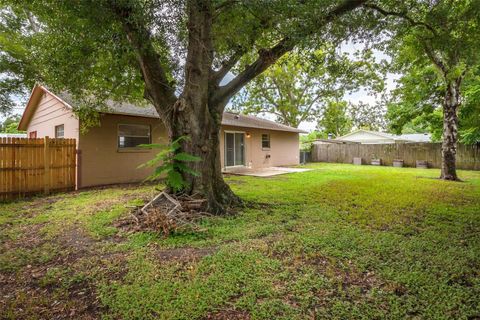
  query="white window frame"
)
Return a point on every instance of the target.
[
  {"x": 63, "y": 131},
  {"x": 225, "y": 149},
  {"x": 133, "y": 124},
  {"x": 269, "y": 141}
]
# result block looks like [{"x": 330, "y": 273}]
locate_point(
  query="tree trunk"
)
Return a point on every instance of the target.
[
  {"x": 196, "y": 116},
  {"x": 204, "y": 142},
  {"x": 450, "y": 131}
]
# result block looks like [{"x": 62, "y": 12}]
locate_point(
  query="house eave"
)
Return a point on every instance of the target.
[{"x": 35, "y": 97}]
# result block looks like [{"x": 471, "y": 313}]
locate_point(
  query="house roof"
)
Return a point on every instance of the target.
[
  {"x": 378, "y": 134},
  {"x": 247, "y": 121},
  {"x": 415, "y": 137},
  {"x": 148, "y": 110},
  {"x": 13, "y": 135},
  {"x": 335, "y": 141},
  {"x": 141, "y": 110}
]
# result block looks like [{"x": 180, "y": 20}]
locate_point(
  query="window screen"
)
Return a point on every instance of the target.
[
  {"x": 133, "y": 135},
  {"x": 265, "y": 141},
  {"x": 59, "y": 131}
]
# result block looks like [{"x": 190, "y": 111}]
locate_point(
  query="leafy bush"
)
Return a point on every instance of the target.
[
  {"x": 171, "y": 163},
  {"x": 307, "y": 140}
]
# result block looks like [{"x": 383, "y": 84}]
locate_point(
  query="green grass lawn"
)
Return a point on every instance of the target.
[{"x": 340, "y": 242}]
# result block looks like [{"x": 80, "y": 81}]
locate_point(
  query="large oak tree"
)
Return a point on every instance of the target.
[{"x": 173, "y": 53}]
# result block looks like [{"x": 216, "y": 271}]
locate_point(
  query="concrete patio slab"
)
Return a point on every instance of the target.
[{"x": 262, "y": 172}]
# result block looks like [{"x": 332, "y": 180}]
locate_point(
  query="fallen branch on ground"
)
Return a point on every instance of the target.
[{"x": 167, "y": 213}]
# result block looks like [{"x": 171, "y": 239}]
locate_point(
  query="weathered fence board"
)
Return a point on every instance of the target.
[
  {"x": 468, "y": 156},
  {"x": 29, "y": 166}
]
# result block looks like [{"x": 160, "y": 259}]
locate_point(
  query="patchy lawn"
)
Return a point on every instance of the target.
[{"x": 338, "y": 242}]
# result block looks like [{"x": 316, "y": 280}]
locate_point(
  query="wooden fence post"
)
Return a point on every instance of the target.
[
  {"x": 46, "y": 161},
  {"x": 78, "y": 168}
]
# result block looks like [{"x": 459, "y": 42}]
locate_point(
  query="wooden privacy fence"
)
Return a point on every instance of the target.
[
  {"x": 468, "y": 156},
  {"x": 29, "y": 166}
]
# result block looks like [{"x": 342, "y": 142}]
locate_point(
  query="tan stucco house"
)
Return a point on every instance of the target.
[{"x": 108, "y": 153}]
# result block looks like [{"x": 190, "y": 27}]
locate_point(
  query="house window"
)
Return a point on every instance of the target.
[
  {"x": 265, "y": 141},
  {"x": 32, "y": 135},
  {"x": 133, "y": 135},
  {"x": 59, "y": 131}
]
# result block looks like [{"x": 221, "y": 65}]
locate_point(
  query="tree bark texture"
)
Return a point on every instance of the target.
[
  {"x": 196, "y": 116},
  {"x": 450, "y": 130}
]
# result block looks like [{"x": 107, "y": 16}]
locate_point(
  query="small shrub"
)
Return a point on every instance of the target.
[{"x": 171, "y": 162}]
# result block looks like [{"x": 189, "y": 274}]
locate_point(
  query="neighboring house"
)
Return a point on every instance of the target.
[
  {"x": 371, "y": 137},
  {"x": 333, "y": 141},
  {"x": 13, "y": 135},
  {"x": 109, "y": 154}
]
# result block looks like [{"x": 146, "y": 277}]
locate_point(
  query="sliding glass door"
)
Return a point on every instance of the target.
[{"x": 234, "y": 149}]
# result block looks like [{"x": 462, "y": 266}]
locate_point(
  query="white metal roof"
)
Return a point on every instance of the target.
[{"x": 416, "y": 137}]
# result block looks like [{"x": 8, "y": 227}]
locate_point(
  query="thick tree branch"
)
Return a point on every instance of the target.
[
  {"x": 199, "y": 54},
  {"x": 436, "y": 60},
  {"x": 225, "y": 4},
  {"x": 402, "y": 15},
  {"x": 33, "y": 23},
  {"x": 157, "y": 87},
  {"x": 268, "y": 57},
  {"x": 227, "y": 65}
]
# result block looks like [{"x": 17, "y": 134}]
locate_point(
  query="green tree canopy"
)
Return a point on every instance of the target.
[
  {"x": 300, "y": 85},
  {"x": 416, "y": 105},
  {"x": 367, "y": 116},
  {"x": 335, "y": 119},
  {"x": 10, "y": 124},
  {"x": 435, "y": 44},
  {"x": 469, "y": 118}
]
